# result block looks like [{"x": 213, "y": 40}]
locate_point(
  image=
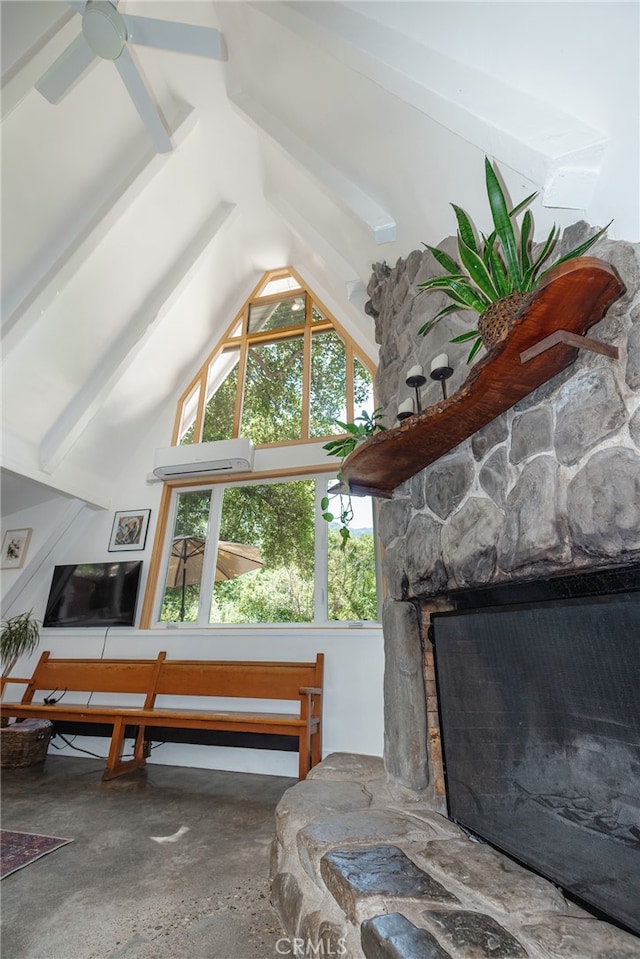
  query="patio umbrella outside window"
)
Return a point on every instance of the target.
[{"x": 187, "y": 556}]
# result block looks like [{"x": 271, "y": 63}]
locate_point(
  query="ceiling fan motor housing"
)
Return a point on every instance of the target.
[{"x": 104, "y": 29}]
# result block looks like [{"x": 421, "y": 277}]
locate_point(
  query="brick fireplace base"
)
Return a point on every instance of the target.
[{"x": 364, "y": 868}]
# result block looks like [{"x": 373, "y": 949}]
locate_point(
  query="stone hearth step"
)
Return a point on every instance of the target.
[
  {"x": 351, "y": 875},
  {"x": 393, "y": 936},
  {"x": 364, "y": 869}
]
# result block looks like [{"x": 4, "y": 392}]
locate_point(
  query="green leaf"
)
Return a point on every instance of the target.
[
  {"x": 504, "y": 228},
  {"x": 348, "y": 427},
  {"x": 444, "y": 259},
  {"x": 497, "y": 271},
  {"x": 477, "y": 270},
  {"x": 582, "y": 249},
  {"x": 465, "y": 228},
  {"x": 463, "y": 337},
  {"x": 474, "y": 349},
  {"x": 463, "y": 293},
  {"x": 324, "y": 503},
  {"x": 525, "y": 236},
  {"x": 522, "y": 205},
  {"x": 437, "y": 282},
  {"x": 329, "y": 517},
  {"x": 531, "y": 277},
  {"x": 453, "y": 308}
]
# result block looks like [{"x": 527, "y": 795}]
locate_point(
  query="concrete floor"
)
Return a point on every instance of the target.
[{"x": 114, "y": 892}]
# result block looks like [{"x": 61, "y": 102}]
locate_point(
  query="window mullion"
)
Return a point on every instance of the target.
[
  {"x": 210, "y": 556},
  {"x": 306, "y": 383},
  {"x": 242, "y": 378},
  {"x": 197, "y": 431},
  {"x": 350, "y": 382},
  {"x": 321, "y": 583},
  {"x": 164, "y": 565}
]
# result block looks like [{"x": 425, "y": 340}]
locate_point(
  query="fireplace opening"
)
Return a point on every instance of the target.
[{"x": 539, "y": 700}]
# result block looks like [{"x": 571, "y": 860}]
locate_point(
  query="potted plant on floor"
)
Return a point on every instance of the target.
[
  {"x": 19, "y": 636},
  {"x": 23, "y": 743},
  {"x": 496, "y": 276}
]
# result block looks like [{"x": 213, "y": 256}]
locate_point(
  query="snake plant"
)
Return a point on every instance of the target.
[{"x": 500, "y": 265}]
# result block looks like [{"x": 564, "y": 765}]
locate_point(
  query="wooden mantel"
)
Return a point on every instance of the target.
[{"x": 572, "y": 297}]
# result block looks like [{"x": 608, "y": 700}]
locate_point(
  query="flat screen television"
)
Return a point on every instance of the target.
[{"x": 93, "y": 594}]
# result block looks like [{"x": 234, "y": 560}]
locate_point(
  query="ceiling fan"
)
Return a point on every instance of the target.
[{"x": 106, "y": 33}]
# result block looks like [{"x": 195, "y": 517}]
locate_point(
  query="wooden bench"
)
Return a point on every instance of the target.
[{"x": 184, "y": 679}]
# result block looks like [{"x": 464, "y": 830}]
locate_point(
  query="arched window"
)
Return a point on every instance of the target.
[{"x": 254, "y": 548}]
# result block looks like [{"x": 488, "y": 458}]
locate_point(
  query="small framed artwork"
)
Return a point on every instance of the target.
[
  {"x": 14, "y": 548},
  {"x": 129, "y": 530}
]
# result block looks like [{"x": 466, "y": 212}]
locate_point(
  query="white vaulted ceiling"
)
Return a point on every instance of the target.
[{"x": 333, "y": 135}]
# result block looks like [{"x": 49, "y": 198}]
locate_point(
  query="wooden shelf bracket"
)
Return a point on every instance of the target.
[{"x": 571, "y": 339}]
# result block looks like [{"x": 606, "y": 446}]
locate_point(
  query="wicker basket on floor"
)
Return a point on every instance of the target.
[{"x": 26, "y": 743}]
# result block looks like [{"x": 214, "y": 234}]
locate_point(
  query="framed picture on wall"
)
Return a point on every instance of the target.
[
  {"x": 14, "y": 548},
  {"x": 129, "y": 530}
]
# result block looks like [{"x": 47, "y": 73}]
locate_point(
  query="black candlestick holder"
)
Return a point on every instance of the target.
[
  {"x": 404, "y": 415},
  {"x": 416, "y": 382},
  {"x": 442, "y": 373}
]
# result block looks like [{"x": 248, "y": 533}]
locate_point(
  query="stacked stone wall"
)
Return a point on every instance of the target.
[{"x": 552, "y": 486}]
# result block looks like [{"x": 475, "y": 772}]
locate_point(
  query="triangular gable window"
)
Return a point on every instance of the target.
[{"x": 284, "y": 372}]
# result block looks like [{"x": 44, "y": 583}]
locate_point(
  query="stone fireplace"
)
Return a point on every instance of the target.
[{"x": 548, "y": 492}]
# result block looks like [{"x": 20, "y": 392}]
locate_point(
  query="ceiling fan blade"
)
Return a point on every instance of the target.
[
  {"x": 143, "y": 102},
  {"x": 180, "y": 37},
  {"x": 68, "y": 68}
]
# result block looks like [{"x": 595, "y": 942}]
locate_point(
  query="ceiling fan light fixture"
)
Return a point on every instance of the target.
[{"x": 104, "y": 29}]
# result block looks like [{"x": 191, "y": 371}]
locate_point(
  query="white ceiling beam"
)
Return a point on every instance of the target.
[
  {"x": 334, "y": 261},
  {"x": 537, "y": 139},
  {"x": 20, "y": 80},
  {"x": 65, "y": 258},
  {"x": 358, "y": 203},
  {"x": 112, "y": 366},
  {"x": 21, "y": 456}
]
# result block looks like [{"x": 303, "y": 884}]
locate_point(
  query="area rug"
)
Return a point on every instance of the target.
[{"x": 18, "y": 849}]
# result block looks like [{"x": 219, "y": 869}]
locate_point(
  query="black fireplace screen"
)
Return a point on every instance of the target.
[{"x": 540, "y": 718}]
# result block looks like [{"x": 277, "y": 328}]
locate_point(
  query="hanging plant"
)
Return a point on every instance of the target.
[
  {"x": 361, "y": 429},
  {"x": 498, "y": 273}
]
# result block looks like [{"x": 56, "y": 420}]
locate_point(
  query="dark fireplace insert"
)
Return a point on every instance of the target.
[{"x": 539, "y": 697}]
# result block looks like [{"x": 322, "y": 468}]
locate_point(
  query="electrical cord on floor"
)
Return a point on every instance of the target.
[
  {"x": 68, "y": 743},
  {"x": 71, "y": 746}
]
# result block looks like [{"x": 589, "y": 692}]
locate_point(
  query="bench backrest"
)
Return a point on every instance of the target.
[
  {"x": 162, "y": 677},
  {"x": 94, "y": 675},
  {"x": 248, "y": 680}
]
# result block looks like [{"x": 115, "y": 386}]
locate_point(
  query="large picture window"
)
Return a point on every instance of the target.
[{"x": 262, "y": 553}]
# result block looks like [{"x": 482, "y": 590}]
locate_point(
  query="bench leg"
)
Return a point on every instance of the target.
[
  {"x": 140, "y": 751},
  {"x": 305, "y": 754},
  {"x": 115, "y": 766},
  {"x": 316, "y": 746}
]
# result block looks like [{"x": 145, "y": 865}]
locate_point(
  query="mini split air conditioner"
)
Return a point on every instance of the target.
[{"x": 203, "y": 459}]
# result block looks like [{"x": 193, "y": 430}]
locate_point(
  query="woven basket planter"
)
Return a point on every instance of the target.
[
  {"x": 494, "y": 323},
  {"x": 26, "y": 743}
]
